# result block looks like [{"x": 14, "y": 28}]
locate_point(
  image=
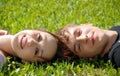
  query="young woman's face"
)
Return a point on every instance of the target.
[
  {"x": 85, "y": 40},
  {"x": 34, "y": 45}
]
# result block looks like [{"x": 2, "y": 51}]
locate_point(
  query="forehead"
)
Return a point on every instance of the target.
[{"x": 49, "y": 46}]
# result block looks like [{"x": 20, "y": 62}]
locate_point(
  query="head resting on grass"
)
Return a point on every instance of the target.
[
  {"x": 86, "y": 40},
  {"x": 30, "y": 45}
]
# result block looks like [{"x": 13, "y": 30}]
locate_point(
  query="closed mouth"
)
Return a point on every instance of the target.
[
  {"x": 92, "y": 38},
  {"x": 23, "y": 41}
]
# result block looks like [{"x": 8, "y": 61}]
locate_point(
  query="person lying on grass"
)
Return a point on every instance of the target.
[
  {"x": 87, "y": 41},
  {"x": 29, "y": 45}
]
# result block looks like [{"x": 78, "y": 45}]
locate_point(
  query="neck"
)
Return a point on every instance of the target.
[
  {"x": 5, "y": 44},
  {"x": 112, "y": 35}
]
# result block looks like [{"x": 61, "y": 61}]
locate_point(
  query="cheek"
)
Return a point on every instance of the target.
[
  {"x": 25, "y": 54},
  {"x": 28, "y": 52},
  {"x": 87, "y": 49}
]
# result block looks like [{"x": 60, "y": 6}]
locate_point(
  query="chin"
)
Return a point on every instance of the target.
[{"x": 14, "y": 43}]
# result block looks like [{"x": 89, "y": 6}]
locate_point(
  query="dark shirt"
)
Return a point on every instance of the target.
[{"x": 114, "y": 54}]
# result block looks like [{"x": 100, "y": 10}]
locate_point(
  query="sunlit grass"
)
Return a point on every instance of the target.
[{"x": 17, "y": 15}]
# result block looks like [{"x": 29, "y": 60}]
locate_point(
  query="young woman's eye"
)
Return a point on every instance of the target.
[
  {"x": 39, "y": 38},
  {"x": 77, "y": 33},
  {"x": 36, "y": 51}
]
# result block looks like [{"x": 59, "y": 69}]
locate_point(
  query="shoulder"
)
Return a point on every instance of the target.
[
  {"x": 6, "y": 54},
  {"x": 114, "y": 55},
  {"x": 2, "y": 59},
  {"x": 114, "y": 48}
]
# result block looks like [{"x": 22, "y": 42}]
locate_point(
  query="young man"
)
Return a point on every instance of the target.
[{"x": 87, "y": 41}]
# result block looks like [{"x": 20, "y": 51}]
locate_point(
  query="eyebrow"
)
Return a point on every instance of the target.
[
  {"x": 41, "y": 57},
  {"x": 41, "y": 52},
  {"x": 64, "y": 35},
  {"x": 74, "y": 48},
  {"x": 67, "y": 31}
]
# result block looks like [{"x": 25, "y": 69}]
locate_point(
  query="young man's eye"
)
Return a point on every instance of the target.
[
  {"x": 66, "y": 36},
  {"x": 39, "y": 38},
  {"x": 67, "y": 39},
  {"x": 36, "y": 51}
]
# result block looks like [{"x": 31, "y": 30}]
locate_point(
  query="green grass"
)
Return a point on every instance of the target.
[{"x": 17, "y": 15}]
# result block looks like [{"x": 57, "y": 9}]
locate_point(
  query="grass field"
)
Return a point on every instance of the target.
[{"x": 17, "y": 15}]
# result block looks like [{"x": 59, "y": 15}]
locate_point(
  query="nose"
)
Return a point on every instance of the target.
[
  {"x": 30, "y": 42},
  {"x": 82, "y": 38}
]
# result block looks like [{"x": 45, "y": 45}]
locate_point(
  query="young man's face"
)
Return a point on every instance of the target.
[
  {"x": 34, "y": 45},
  {"x": 85, "y": 40}
]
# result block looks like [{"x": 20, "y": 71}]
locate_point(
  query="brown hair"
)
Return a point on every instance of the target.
[{"x": 63, "y": 51}]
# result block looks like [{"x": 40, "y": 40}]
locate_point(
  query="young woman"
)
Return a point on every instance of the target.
[
  {"x": 29, "y": 45},
  {"x": 87, "y": 41}
]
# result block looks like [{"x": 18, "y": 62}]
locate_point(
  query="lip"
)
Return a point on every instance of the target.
[
  {"x": 23, "y": 41},
  {"x": 93, "y": 39}
]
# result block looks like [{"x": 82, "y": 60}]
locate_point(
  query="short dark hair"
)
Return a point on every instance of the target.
[{"x": 63, "y": 51}]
